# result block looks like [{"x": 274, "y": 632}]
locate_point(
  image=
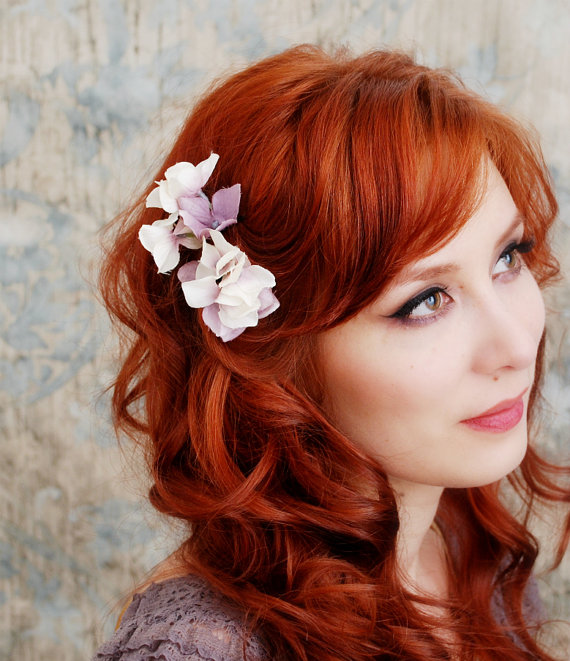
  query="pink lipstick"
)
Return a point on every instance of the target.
[{"x": 500, "y": 418}]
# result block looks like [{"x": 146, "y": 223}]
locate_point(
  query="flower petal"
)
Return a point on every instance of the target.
[
  {"x": 235, "y": 295},
  {"x": 196, "y": 215},
  {"x": 268, "y": 303},
  {"x": 167, "y": 222},
  {"x": 187, "y": 271},
  {"x": 153, "y": 198},
  {"x": 176, "y": 171},
  {"x": 205, "y": 168},
  {"x": 221, "y": 225},
  {"x": 189, "y": 178},
  {"x": 166, "y": 255},
  {"x": 211, "y": 318},
  {"x": 160, "y": 240},
  {"x": 221, "y": 244},
  {"x": 167, "y": 197},
  {"x": 200, "y": 292},
  {"x": 181, "y": 179},
  {"x": 189, "y": 241},
  {"x": 230, "y": 265},
  {"x": 257, "y": 276},
  {"x": 151, "y": 235},
  {"x": 186, "y": 237},
  {"x": 225, "y": 203},
  {"x": 231, "y": 259},
  {"x": 210, "y": 255},
  {"x": 238, "y": 317}
]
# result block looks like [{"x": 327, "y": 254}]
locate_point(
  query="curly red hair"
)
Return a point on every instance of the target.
[{"x": 350, "y": 169}]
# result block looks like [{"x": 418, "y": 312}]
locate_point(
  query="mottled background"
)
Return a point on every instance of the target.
[{"x": 92, "y": 92}]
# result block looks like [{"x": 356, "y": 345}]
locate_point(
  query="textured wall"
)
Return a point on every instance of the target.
[{"x": 91, "y": 93}]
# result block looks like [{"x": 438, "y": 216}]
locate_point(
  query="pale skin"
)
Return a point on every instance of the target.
[{"x": 402, "y": 379}]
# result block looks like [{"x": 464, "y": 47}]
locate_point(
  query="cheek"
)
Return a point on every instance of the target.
[
  {"x": 391, "y": 393},
  {"x": 539, "y": 315},
  {"x": 530, "y": 308}
]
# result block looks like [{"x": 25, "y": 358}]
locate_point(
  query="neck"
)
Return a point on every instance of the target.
[{"x": 418, "y": 550}]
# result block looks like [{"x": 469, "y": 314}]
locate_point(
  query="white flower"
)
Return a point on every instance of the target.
[
  {"x": 233, "y": 293},
  {"x": 163, "y": 241},
  {"x": 182, "y": 180}
]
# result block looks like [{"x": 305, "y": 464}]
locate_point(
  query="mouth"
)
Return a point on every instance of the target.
[{"x": 500, "y": 418}]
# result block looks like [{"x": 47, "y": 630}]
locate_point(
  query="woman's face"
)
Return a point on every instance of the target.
[{"x": 433, "y": 378}]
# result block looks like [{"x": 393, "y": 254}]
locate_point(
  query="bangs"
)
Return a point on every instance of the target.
[
  {"x": 402, "y": 168},
  {"x": 352, "y": 169}
]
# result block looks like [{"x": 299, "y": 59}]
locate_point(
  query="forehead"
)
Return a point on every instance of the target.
[{"x": 496, "y": 215}]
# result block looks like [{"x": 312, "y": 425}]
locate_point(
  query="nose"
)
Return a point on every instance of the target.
[{"x": 508, "y": 333}]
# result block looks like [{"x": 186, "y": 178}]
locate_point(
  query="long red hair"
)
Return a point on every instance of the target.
[{"x": 350, "y": 169}]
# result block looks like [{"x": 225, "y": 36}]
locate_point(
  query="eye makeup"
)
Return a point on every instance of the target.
[
  {"x": 516, "y": 249},
  {"x": 405, "y": 313}
]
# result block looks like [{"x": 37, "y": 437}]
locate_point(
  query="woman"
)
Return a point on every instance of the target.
[{"x": 333, "y": 383}]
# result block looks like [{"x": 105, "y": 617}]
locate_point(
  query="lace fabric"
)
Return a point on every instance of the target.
[{"x": 182, "y": 619}]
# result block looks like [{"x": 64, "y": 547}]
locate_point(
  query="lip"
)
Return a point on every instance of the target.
[{"x": 499, "y": 418}]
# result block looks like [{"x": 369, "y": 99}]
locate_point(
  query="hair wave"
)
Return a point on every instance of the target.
[{"x": 350, "y": 169}]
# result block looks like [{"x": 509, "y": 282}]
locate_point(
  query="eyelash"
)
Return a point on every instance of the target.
[
  {"x": 403, "y": 314},
  {"x": 405, "y": 311},
  {"x": 518, "y": 249}
]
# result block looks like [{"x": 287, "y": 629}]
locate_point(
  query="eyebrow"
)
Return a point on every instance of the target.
[{"x": 430, "y": 272}]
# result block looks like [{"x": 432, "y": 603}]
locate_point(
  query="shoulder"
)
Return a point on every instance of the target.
[
  {"x": 532, "y": 606},
  {"x": 181, "y": 618}
]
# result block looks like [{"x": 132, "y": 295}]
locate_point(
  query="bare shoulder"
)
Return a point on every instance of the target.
[{"x": 182, "y": 618}]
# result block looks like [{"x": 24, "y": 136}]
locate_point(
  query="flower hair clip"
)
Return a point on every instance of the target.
[{"x": 233, "y": 293}]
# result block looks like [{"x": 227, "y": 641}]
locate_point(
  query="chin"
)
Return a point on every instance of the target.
[
  {"x": 490, "y": 459},
  {"x": 504, "y": 461}
]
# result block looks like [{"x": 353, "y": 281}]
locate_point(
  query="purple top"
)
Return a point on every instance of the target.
[
  {"x": 181, "y": 619},
  {"x": 184, "y": 619}
]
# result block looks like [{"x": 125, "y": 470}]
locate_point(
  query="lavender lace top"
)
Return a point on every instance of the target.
[
  {"x": 185, "y": 619},
  {"x": 182, "y": 619}
]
